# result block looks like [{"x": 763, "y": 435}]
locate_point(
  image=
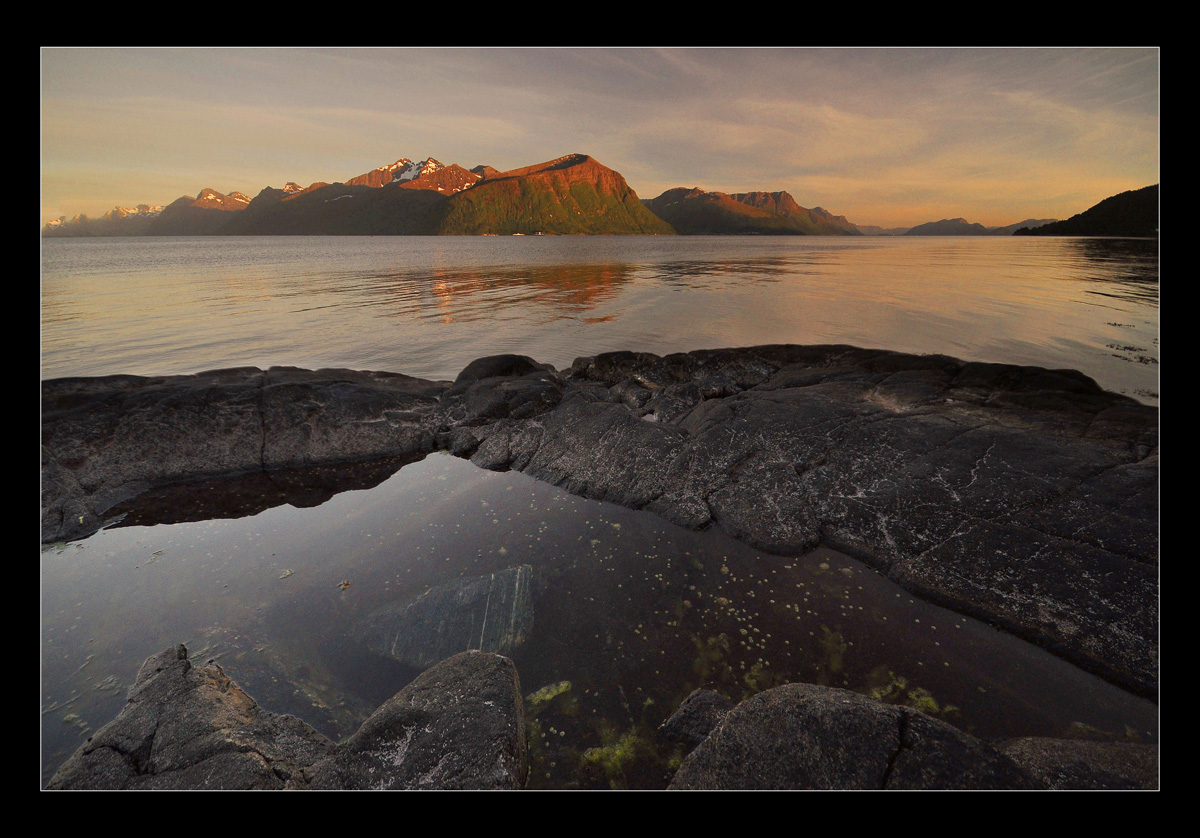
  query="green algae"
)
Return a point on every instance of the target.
[
  {"x": 624, "y": 758},
  {"x": 833, "y": 645},
  {"x": 710, "y": 663},
  {"x": 1079, "y": 730},
  {"x": 885, "y": 685},
  {"x": 760, "y": 676},
  {"x": 567, "y": 703}
]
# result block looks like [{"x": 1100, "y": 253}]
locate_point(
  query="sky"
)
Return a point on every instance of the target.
[{"x": 887, "y": 137}]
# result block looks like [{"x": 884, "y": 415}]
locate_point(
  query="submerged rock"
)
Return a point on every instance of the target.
[
  {"x": 695, "y": 718},
  {"x": 492, "y": 613}
]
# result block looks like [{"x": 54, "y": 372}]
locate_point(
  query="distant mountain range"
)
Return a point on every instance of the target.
[
  {"x": 696, "y": 212},
  {"x": 872, "y": 230},
  {"x": 573, "y": 194},
  {"x": 962, "y": 227}
]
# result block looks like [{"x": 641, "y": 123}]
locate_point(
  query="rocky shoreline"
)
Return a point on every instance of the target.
[
  {"x": 1023, "y": 496},
  {"x": 461, "y": 725}
]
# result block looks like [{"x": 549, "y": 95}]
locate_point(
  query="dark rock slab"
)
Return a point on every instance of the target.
[
  {"x": 1024, "y": 496},
  {"x": 481, "y": 402},
  {"x": 106, "y": 440},
  {"x": 492, "y": 613},
  {"x": 114, "y": 437},
  {"x": 803, "y": 736},
  {"x": 460, "y": 725},
  {"x": 335, "y": 416},
  {"x": 1081, "y": 764},
  {"x": 596, "y": 449}
]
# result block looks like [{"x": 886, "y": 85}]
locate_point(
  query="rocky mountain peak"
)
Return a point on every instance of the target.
[
  {"x": 412, "y": 171},
  {"x": 382, "y": 175}
]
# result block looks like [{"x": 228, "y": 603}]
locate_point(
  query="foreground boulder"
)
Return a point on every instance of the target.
[
  {"x": 191, "y": 727},
  {"x": 1022, "y": 496},
  {"x": 459, "y": 725},
  {"x": 803, "y": 736}
]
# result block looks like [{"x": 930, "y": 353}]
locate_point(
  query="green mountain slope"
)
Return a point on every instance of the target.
[
  {"x": 810, "y": 222},
  {"x": 570, "y": 195}
]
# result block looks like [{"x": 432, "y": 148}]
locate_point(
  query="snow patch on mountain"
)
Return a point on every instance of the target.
[{"x": 412, "y": 171}]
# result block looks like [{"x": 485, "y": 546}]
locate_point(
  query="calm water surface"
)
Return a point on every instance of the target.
[
  {"x": 632, "y": 612},
  {"x": 428, "y": 306}
]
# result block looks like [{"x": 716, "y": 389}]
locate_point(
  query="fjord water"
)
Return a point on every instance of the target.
[
  {"x": 428, "y": 306},
  {"x": 631, "y": 611}
]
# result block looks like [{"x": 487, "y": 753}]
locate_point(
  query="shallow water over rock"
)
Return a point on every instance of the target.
[{"x": 626, "y": 615}]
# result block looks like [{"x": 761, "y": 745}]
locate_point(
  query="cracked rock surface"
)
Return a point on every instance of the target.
[
  {"x": 459, "y": 725},
  {"x": 106, "y": 440},
  {"x": 803, "y": 736},
  {"x": 191, "y": 727},
  {"x": 806, "y": 736},
  {"x": 1023, "y": 496}
]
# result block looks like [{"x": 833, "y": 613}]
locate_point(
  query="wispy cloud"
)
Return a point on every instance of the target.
[{"x": 874, "y": 134}]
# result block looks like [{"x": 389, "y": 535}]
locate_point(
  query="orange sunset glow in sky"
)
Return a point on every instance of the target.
[{"x": 887, "y": 137}]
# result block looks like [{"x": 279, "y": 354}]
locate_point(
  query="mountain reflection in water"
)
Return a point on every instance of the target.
[
  {"x": 628, "y": 615},
  {"x": 428, "y": 306}
]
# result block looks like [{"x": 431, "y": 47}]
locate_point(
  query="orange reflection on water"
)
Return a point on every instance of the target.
[
  {"x": 467, "y": 295},
  {"x": 429, "y": 306}
]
